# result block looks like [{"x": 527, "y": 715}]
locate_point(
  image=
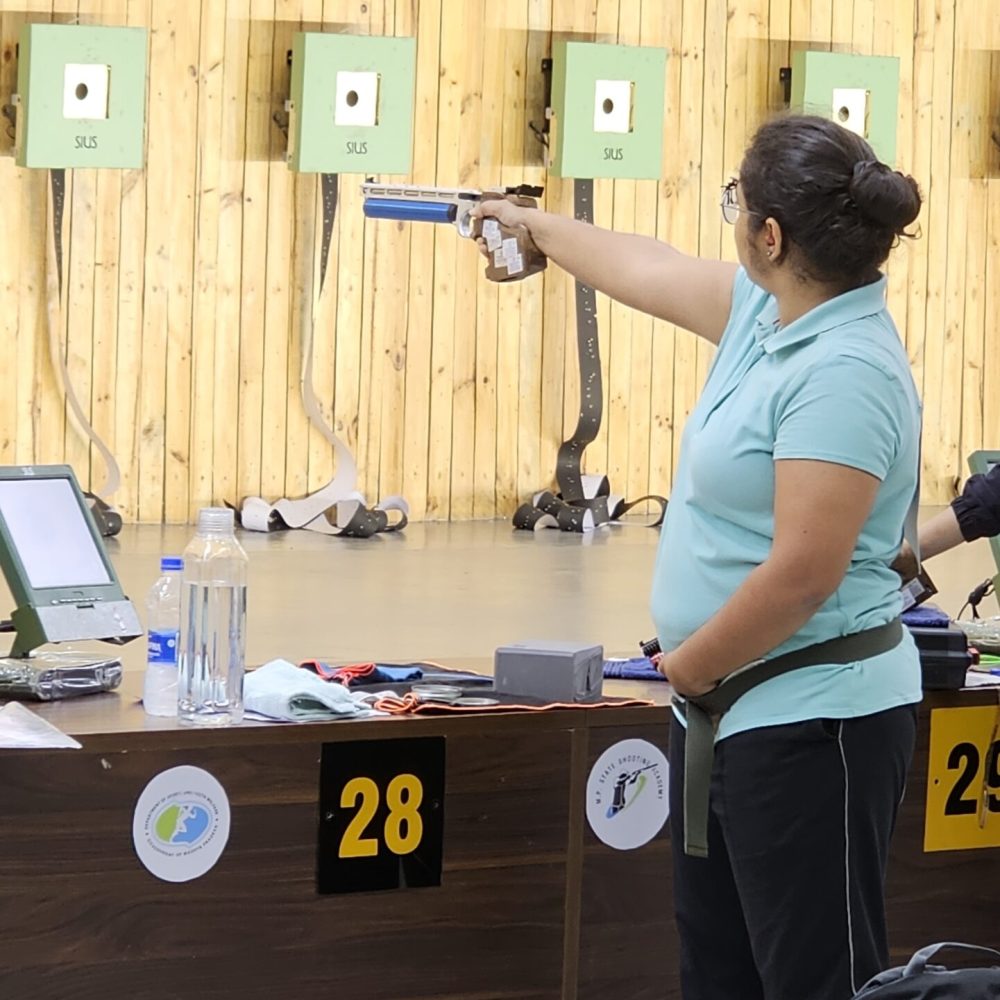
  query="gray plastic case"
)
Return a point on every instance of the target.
[{"x": 552, "y": 671}]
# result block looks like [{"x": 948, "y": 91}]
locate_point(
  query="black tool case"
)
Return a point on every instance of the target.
[{"x": 944, "y": 657}]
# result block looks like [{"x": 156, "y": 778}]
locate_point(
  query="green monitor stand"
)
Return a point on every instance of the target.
[{"x": 64, "y": 587}]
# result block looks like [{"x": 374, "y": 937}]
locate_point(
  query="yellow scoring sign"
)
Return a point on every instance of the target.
[
  {"x": 381, "y": 807},
  {"x": 963, "y": 779}
]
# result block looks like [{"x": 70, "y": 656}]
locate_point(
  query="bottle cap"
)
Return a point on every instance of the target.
[
  {"x": 215, "y": 521},
  {"x": 168, "y": 563}
]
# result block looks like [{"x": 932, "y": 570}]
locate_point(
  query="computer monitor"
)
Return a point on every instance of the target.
[
  {"x": 981, "y": 462},
  {"x": 55, "y": 563}
]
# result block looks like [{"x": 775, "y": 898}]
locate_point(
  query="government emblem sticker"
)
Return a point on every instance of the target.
[{"x": 181, "y": 824}]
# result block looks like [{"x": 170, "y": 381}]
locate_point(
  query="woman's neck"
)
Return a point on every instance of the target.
[
  {"x": 796, "y": 298},
  {"x": 795, "y": 303}
]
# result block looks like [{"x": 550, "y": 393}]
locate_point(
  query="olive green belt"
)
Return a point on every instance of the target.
[{"x": 703, "y": 713}]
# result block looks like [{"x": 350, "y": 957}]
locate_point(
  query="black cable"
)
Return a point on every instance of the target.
[
  {"x": 540, "y": 134},
  {"x": 976, "y": 597}
]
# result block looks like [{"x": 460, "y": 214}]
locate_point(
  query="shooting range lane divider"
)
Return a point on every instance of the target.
[
  {"x": 108, "y": 520},
  {"x": 351, "y": 518},
  {"x": 584, "y": 502}
]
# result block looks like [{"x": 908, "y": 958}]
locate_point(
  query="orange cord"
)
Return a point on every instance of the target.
[{"x": 410, "y": 704}]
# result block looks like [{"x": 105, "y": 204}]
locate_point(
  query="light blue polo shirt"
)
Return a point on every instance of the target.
[{"x": 833, "y": 386}]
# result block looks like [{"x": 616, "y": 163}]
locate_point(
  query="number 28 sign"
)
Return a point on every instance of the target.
[
  {"x": 963, "y": 779},
  {"x": 381, "y": 814}
]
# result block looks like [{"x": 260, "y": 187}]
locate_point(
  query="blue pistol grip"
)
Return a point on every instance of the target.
[{"x": 409, "y": 211}]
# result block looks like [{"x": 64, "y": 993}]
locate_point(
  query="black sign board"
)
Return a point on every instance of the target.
[{"x": 381, "y": 815}]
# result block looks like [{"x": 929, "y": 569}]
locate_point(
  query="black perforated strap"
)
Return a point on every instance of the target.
[
  {"x": 569, "y": 462},
  {"x": 580, "y": 505},
  {"x": 57, "y": 179},
  {"x": 551, "y": 510},
  {"x": 328, "y": 184}
]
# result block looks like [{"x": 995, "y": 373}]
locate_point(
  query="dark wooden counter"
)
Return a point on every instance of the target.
[
  {"x": 531, "y": 904},
  {"x": 526, "y": 887}
]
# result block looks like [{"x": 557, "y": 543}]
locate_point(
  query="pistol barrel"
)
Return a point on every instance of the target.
[{"x": 410, "y": 211}]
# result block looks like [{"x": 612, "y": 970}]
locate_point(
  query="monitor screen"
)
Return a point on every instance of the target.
[{"x": 50, "y": 533}]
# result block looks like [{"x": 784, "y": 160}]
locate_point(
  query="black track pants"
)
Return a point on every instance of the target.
[{"x": 790, "y": 905}]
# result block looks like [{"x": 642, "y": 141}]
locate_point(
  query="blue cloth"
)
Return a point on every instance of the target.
[
  {"x": 637, "y": 669},
  {"x": 833, "y": 386},
  {"x": 391, "y": 675},
  {"x": 926, "y": 616}
]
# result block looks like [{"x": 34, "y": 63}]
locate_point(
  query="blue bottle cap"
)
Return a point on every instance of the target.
[{"x": 168, "y": 563}]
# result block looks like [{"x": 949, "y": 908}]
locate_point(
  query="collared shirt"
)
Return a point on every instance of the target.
[{"x": 833, "y": 386}]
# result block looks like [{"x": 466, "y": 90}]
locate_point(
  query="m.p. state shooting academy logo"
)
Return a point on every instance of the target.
[{"x": 628, "y": 798}]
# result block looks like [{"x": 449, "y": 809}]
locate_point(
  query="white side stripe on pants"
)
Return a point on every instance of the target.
[{"x": 847, "y": 853}]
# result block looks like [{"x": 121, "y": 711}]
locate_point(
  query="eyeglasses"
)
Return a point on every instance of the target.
[{"x": 731, "y": 207}]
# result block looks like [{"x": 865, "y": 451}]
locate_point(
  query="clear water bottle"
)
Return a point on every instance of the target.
[
  {"x": 213, "y": 624},
  {"x": 163, "y": 621}
]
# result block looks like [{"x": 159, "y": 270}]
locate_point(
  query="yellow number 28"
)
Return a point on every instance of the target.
[{"x": 404, "y": 828}]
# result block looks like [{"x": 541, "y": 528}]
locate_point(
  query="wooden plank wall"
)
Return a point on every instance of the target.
[{"x": 191, "y": 283}]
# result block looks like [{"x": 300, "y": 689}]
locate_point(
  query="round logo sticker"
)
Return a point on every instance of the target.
[
  {"x": 627, "y": 794},
  {"x": 181, "y": 824}
]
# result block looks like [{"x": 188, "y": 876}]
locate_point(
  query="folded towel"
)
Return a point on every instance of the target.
[
  {"x": 637, "y": 669},
  {"x": 281, "y": 690}
]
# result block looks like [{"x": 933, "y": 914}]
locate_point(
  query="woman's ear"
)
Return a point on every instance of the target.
[{"x": 772, "y": 239}]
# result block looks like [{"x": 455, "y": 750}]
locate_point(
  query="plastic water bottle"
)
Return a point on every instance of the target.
[
  {"x": 213, "y": 624},
  {"x": 163, "y": 606}
]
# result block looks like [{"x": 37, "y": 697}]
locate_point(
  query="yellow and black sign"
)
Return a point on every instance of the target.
[
  {"x": 963, "y": 779},
  {"x": 381, "y": 815}
]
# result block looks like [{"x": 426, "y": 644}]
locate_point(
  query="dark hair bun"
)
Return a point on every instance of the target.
[
  {"x": 884, "y": 195},
  {"x": 841, "y": 211}
]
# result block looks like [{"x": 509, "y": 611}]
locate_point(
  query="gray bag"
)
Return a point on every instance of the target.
[
  {"x": 921, "y": 981},
  {"x": 48, "y": 676}
]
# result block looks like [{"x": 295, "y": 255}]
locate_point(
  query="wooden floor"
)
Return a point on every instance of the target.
[{"x": 447, "y": 591}]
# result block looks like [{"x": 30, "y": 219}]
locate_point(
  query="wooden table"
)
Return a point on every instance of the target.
[{"x": 531, "y": 904}]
